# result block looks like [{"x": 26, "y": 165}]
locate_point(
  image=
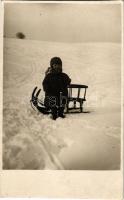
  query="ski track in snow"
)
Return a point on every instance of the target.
[{"x": 32, "y": 140}]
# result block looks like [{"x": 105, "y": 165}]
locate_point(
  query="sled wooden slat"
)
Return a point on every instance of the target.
[
  {"x": 77, "y": 98},
  {"x": 77, "y": 86}
]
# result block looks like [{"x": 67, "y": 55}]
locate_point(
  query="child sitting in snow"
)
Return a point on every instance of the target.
[{"x": 55, "y": 86}]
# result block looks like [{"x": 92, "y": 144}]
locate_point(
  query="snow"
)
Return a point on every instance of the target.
[{"x": 85, "y": 141}]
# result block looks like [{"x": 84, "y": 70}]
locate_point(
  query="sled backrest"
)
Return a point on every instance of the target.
[{"x": 78, "y": 88}]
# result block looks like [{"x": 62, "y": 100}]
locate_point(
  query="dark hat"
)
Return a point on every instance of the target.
[{"x": 55, "y": 60}]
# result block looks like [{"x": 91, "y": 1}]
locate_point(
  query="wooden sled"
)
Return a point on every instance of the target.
[{"x": 37, "y": 104}]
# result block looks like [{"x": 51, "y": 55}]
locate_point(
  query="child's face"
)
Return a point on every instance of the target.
[{"x": 56, "y": 66}]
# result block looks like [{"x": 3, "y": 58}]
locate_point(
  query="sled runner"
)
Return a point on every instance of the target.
[{"x": 37, "y": 104}]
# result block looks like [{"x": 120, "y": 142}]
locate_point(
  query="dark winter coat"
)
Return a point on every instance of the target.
[{"x": 54, "y": 83}]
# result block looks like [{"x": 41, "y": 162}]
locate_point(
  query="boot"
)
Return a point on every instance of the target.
[
  {"x": 61, "y": 112},
  {"x": 54, "y": 113}
]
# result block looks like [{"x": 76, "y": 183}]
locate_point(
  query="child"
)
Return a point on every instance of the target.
[{"x": 55, "y": 86}]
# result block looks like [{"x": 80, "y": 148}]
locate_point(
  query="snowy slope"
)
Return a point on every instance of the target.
[{"x": 81, "y": 141}]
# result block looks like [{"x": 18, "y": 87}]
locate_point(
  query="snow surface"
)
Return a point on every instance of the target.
[{"x": 86, "y": 141}]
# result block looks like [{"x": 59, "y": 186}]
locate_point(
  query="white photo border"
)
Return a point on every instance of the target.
[{"x": 61, "y": 183}]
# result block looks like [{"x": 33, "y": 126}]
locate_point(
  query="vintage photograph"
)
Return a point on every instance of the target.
[{"x": 62, "y": 86}]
